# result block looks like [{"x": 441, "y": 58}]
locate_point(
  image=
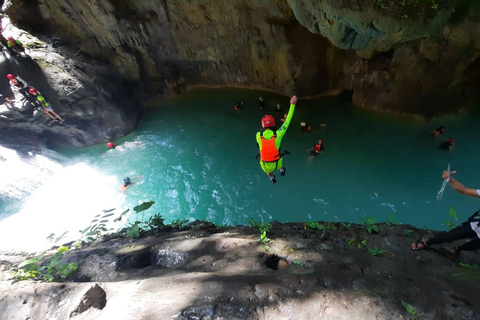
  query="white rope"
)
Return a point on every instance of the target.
[{"x": 445, "y": 181}]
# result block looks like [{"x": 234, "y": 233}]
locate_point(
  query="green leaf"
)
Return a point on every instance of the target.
[
  {"x": 104, "y": 221},
  {"x": 133, "y": 231},
  {"x": 409, "y": 308},
  {"x": 62, "y": 249},
  {"x": 121, "y": 215},
  {"x": 108, "y": 215},
  {"x": 28, "y": 262},
  {"x": 465, "y": 265},
  {"x": 453, "y": 213},
  {"x": 66, "y": 269},
  {"x": 143, "y": 206}
]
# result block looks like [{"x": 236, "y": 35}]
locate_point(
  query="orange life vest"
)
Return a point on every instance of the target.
[
  {"x": 268, "y": 150},
  {"x": 317, "y": 147}
]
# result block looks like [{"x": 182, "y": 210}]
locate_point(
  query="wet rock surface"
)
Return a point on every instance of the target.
[{"x": 338, "y": 272}]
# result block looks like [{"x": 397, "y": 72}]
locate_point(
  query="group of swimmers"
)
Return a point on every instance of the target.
[{"x": 446, "y": 145}]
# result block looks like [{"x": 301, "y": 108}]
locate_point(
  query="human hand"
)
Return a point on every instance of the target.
[
  {"x": 445, "y": 174},
  {"x": 293, "y": 100}
]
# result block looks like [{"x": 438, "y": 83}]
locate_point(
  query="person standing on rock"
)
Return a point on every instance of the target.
[
  {"x": 269, "y": 140},
  {"x": 18, "y": 85},
  {"x": 470, "y": 229},
  {"x": 47, "y": 108}
]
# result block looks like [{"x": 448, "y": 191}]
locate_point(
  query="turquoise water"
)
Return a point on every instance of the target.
[
  {"x": 198, "y": 160},
  {"x": 197, "y": 157}
]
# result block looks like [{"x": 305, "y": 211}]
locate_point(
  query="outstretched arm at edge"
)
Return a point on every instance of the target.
[{"x": 460, "y": 188}]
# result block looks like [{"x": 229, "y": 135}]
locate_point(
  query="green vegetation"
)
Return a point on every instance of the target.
[
  {"x": 53, "y": 271},
  {"x": 301, "y": 263},
  {"x": 453, "y": 214},
  {"x": 409, "y": 308},
  {"x": 263, "y": 227},
  {"x": 314, "y": 225},
  {"x": 347, "y": 226},
  {"x": 368, "y": 222},
  {"x": 377, "y": 252}
]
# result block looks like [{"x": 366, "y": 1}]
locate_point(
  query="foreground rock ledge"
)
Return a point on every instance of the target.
[{"x": 206, "y": 272}]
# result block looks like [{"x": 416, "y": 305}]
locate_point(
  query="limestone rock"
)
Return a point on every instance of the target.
[{"x": 95, "y": 297}]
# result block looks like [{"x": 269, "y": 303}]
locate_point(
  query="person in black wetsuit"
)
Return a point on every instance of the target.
[
  {"x": 238, "y": 106},
  {"x": 261, "y": 103},
  {"x": 437, "y": 132},
  {"x": 470, "y": 229}
]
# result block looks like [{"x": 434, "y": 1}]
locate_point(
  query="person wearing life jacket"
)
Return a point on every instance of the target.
[
  {"x": 269, "y": 141},
  {"x": 111, "y": 145},
  {"x": 305, "y": 127},
  {"x": 15, "y": 46},
  {"x": 278, "y": 108},
  {"x": 469, "y": 229},
  {"x": 437, "y": 132},
  {"x": 238, "y": 106},
  {"x": 447, "y": 145},
  {"x": 317, "y": 148},
  {"x": 18, "y": 85},
  {"x": 127, "y": 182},
  {"x": 47, "y": 108}
]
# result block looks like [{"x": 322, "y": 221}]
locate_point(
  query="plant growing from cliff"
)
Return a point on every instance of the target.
[
  {"x": 134, "y": 229},
  {"x": 314, "y": 225},
  {"x": 453, "y": 213},
  {"x": 30, "y": 269},
  {"x": 377, "y": 252},
  {"x": 177, "y": 223},
  {"x": 368, "y": 222},
  {"x": 409, "y": 308}
]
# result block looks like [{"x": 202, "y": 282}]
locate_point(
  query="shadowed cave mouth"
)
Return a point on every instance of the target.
[
  {"x": 150, "y": 256},
  {"x": 275, "y": 262}
]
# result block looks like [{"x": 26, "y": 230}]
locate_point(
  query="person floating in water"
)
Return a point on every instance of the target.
[
  {"x": 437, "y": 132},
  {"x": 238, "y": 106},
  {"x": 278, "y": 108},
  {"x": 317, "y": 148},
  {"x": 47, "y": 108},
  {"x": 261, "y": 103},
  {"x": 269, "y": 141},
  {"x": 305, "y": 127},
  {"x": 127, "y": 182},
  {"x": 111, "y": 145},
  {"x": 470, "y": 229},
  {"x": 447, "y": 145},
  {"x": 284, "y": 118}
]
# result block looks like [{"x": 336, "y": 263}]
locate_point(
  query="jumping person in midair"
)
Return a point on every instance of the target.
[{"x": 269, "y": 140}]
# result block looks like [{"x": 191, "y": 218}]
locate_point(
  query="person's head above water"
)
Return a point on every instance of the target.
[
  {"x": 260, "y": 99},
  {"x": 126, "y": 181},
  {"x": 320, "y": 141},
  {"x": 278, "y": 106},
  {"x": 268, "y": 121}
]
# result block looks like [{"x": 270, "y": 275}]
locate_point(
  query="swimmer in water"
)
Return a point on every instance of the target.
[
  {"x": 447, "y": 145},
  {"x": 261, "y": 103},
  {"x": 317, "y": 148},
  {"x": 278, "y": 108},
  {"x": 437, "y": 132},
  {"x": 111, "y": 145},
  {"x": 305, "y": 127},
  {"x": 238, "y": 106},
  {"x": 127, "y": 182}
]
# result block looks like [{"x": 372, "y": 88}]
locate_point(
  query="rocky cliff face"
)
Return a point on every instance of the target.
[{"x": 414, "y": 56}]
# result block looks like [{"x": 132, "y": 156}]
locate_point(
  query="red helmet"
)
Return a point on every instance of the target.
[
  {"x": 11, "y": 76},
  {"x": 11, "y": 39},
  {"x": 110, "y": 145},
  {"x": 33, "y": 91},
  {"x": 451, "y": 139},
  {"x": 268, "y": 121}
]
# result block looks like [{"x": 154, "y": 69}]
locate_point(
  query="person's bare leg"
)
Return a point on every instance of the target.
[
  {"x": 56, "y": 115},
  {"x": 47, "y": 112},
  {"x": 272, "y": 177}
]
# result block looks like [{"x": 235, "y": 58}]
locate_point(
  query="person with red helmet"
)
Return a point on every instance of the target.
[
  {"x": 15, "y": 46},
  {"x": 448, "y": 145},
  {"x": 317, "y": 148},
  {"x": 269, "y": 141},
  {"x": 18, "y": 85},
  {"x": 47, "y": 108}
]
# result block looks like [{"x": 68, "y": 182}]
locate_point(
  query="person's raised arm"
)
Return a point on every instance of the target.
[
  {"x": 281, "y": 131},
  {"x": 460, "y": 188}
]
